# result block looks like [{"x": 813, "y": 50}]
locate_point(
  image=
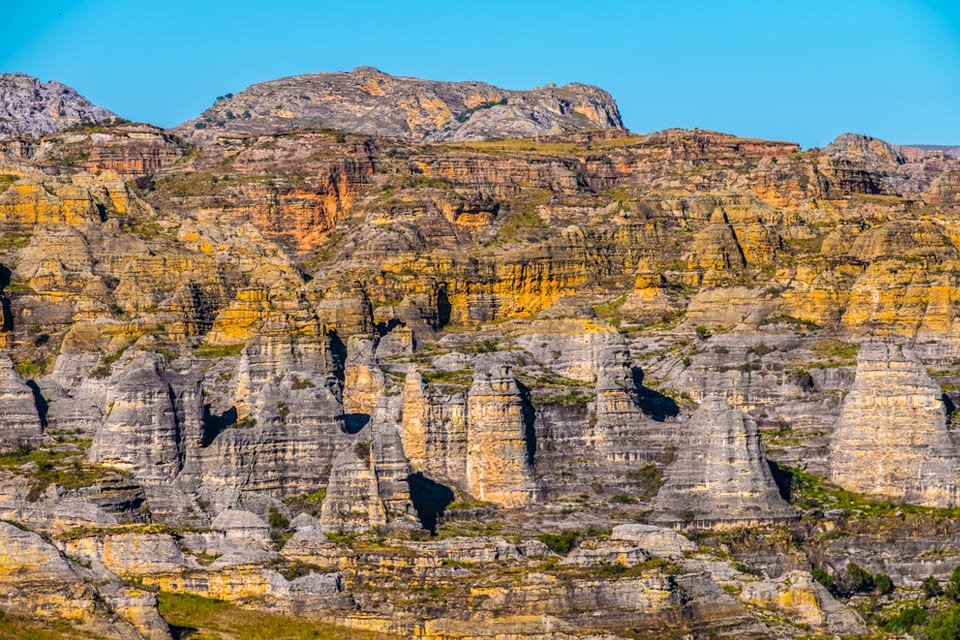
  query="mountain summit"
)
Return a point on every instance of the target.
[
  {"x": 29, "y": 107},
  {"x": 371, "y": 102}
]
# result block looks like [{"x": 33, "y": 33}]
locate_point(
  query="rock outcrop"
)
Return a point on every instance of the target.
[
  {"x": 31, "y": 108},
  {"x": 38, "y": 579},
  {"x": 720, "y": 476},
  {"x": 20, "y": 423},
  {"x": 892, "y": 436},
  {"x": 145, "y": 423},
  {"x": 500, "y": 447},
  {"x": 371, "y": 102}
]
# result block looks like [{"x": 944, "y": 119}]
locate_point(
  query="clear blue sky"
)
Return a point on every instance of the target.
[{"x": 796, "y": 70}]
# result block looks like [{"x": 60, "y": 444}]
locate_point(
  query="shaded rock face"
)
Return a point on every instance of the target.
[
  {"x": 891, "y": 437},
  {"x": 720, "y": 475},
  {"x": 19, "y": 420},
  {"x": 499, "y": 451},
  {"x": 371, "y": 102},
  {"x": 29, "y": 107}
]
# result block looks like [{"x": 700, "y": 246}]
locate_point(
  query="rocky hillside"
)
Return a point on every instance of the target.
[
  {"x": 590, "y": 385},
  {"x": 31, "y": 108},
  {"x": 369, "y": 102}
]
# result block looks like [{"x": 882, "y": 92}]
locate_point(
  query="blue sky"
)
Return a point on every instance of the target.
[{"x": 804, "y": 71}]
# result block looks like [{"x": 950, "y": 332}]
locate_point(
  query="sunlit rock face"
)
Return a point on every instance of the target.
[
  {"x": 892, "y": 437},
  {"x": 444, "y": 360}
]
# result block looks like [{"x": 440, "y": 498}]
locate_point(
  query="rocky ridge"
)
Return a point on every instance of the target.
[
  {"x": 31, "y": 108},
  {"x": 370, "y": 102}
]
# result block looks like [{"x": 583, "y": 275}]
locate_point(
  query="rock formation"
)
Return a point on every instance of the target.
[
  {"x": 19, "y": 421},
  {"x": 29, "y": 107},
  {"x": 500, "y": 450},
  {"x": 720, "y": 475},
  {"x": 434, "y": 359},
  {"x": 371, "y": 102},
  {"x": 892, "y": 436}
]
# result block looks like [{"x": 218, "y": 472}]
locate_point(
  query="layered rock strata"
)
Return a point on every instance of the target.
[
  {"x": 892, "y": 436},
  {"x": 720, "y": 476}
]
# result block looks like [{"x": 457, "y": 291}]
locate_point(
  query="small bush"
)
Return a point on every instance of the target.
[
  {"x": 858, "y": 579},
  {"x": 362, "y": 451},
  {"x": 823, "y": 578},
  {"x": 703, "y": 332},
  {"x": 931, "y": 587},
  {"x": 952, "y": 590},
  {"x": 649, "y": 477},
  {"x": 623, "y": 498},
  {"x": 883, "y": 583},
  {"x": 560, "y": 543},
  {"x": 277, "y": 520}
]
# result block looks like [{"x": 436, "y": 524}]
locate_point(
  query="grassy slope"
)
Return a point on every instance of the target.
[
  {"x": 217, "y": 620},
  {"x": 19, "y": 628}
]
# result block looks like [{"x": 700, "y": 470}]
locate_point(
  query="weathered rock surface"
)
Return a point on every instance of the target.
[
  {"x": 29, "y": 107},
  {"x": 660, "y": 542},
  {"x": 36, "y": 578},
  {"x": 371, "y": 102},
  {"x": 720, "y": 475},
  {"x": 500, "y": 451},
  {"x": 19, "y": 421},
  {"x": 804, "y": 601},
  {"x": 892, "y": 436}
]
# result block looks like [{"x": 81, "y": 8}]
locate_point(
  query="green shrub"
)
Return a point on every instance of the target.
[
  {"x": 649, "y": 477},
  {"x": 31, "y": 368},
  {"x": 945, "y": 625},
  {"x": 931, "y": 587},
  {"x": 823, "y": 578},
  {"x": 560, "y": 543},
  {"x": 858, "y": 579},
  {"x": 952, "y": 590},
  {"x": 277, "y": 519},
  {"x": 883, "y": 583},
  {"x": 906, "y": 619},
  {"x": 623, "y": 498}
]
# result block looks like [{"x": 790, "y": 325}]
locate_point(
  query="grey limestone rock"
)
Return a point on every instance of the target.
[
  {"x": 720, "y": 476},
  {"x": 19, "y": 421},
  {"x": 31, "y": 108}
]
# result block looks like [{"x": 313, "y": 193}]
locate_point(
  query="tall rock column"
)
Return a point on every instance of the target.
[
  {"x": 720, "y": 476},
  {"x": 498, "y": 463},
  {"x": 433, "y": 431},
  {"x": 891, "y": 438},
  {"x": 19, "y": 420}
]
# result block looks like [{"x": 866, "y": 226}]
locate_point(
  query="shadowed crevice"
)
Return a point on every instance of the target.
[
  {"x": 429, "y": 499},
  {"x": 654, "y": 404}
]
